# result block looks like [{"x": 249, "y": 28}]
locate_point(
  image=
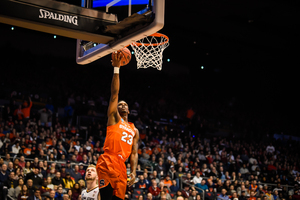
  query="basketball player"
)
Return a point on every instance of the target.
[
  {"x": 92, "y": 191},
  {"x": 120, "y": 143}
]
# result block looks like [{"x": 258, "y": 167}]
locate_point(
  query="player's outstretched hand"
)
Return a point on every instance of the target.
[
  {"x": 132, "y": 179},
  {"x": 116, "y": 59}
]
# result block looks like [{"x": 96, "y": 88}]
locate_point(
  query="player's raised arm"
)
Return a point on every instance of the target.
[
  {"x": 134, "y": 158},
  {"x": 112, "y": 112}
]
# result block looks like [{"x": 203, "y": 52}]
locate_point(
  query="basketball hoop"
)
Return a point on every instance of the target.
[{"x": 149, "y": 50}]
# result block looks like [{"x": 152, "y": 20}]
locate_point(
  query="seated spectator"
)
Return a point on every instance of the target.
[
  {"x": 24, "y": 194},
  {"x": 223, "y": 195},
  {"x": 68, "y": 181},
  {"x": 244, "y": 171},
  {"x": 186, "y": 191},
  {"x": 57, "y": 179},
  {"x": 202, "y": 186},
  {"x": 52, "y": 195},
  {"x": 44, "y": 189},
  {"x": 75, "y": 173},
  {"x": 174, "y": 187},
  {"x": 141, "y": 184},
  {"x": 11, "y": 183},
  {"x": 193, "y": 195},
  {"x": 36, "y": 195},
  {"x": 30, "y": 187},
  {"x": 3, "y": 174},
  {"x": 18, "y": 188},
  {"x": 22, "y": 162},
  {"x": 197, "y": 178},
  {"x": 269, "y": 194},
  {"x": 76, "y": 191},
  {"x": 153, "y": 189},
  {"x": 149, "y": 196},
  {"x": 49, "y": 183},
  {"x": 148, "y": 183},
  {"x": 167, "y": 181},
  {"x": 59, "y": 193},
  {"x": 211, "y": 185}
]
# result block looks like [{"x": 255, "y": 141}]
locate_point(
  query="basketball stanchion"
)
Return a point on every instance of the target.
[{"x": 149, "y": 50}]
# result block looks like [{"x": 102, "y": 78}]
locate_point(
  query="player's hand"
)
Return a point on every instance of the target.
[
  {"x": 116, "y": 59},
  {"x": 132, "y": 179}
]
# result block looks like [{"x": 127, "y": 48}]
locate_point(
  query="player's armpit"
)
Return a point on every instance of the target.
[{"x": 99, "y": 198}]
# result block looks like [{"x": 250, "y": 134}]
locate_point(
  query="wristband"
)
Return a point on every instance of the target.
[{"x": 116, "y": 70}]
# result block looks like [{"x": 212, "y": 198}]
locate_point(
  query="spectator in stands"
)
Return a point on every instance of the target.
[
  {"x": 34, "y": 176},
  {"x": 52, "y": 195},
  {"x": 197, "y": 178},
  {"x": 75, "y": 174},
  {"x": 49, "y": 183},
  {"x": 202, "y": 186},
  {"x": 24, "y": 194},
  {"x": 244, "y": 171},
  {"x": 153, "y": 189},
  {"x": 149, "y": 196},
  {"x": 167, "y": 181},
  {"x": 76, "y": 191},
  {"x": 3, "y": 174},
  {"x": 11, "y": 182},
  {"x": 223, "y": 195},
  {"x": 141, "y": 184},
  {"x": 59, "y": 193},
  {"x": 18, "y": 188},
  {"x": 15, "y": 148},
  {"x": 167, "y": 193},
  {"x": 161, "y": 169},
  {"x": 193, "y": 195},
  {"x": 10, "y": 167},
  {"x": 57, "y": 180},
  {"x": 44, "y": 189},
  {"x": 174, "y": 187},
  {"x": 30, "y": 187},
  {"x": 36, "y": 195},
  {"x": 269, "y": 194},
  {"x": 186, "y": 191},
  {"x": 146, "y": 178},
  {"x": 172, "y": 158},
  {"x": 154, "y": 176},
  {"x": 26, "y": 110},
  {"x": 22, "y": 162}
]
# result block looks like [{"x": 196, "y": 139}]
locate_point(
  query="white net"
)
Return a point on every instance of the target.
[{"x": 149, "y": 51}]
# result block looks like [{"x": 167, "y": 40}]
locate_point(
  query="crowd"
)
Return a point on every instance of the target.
[{"x": 44, "y": 154}]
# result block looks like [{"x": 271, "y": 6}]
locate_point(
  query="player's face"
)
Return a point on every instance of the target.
[
  {"x": 123, "y": 107},
  {"x": 91, "y": 174}
]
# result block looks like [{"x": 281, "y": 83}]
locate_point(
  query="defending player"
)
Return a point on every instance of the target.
[
  {"x": 92, "y": 191},
  {"x": 120, "y": 143}
]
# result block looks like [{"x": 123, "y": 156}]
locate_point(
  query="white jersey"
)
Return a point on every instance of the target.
[{"x": 90, "y": 194}]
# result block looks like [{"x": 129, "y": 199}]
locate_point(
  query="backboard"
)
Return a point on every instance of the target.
[
  {"x": 136, "y": 19},
  {"x": 100, "y": 26}
]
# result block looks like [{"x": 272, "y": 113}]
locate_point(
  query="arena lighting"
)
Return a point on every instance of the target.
[
  {"x": 202, "y": 67},
  {"x": 54, "y": 36},
  {"x": 168, "y": 60},
  {"x": 12, "y": 28}
]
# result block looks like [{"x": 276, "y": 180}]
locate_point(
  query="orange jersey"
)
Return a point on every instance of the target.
[
  {"x": 119, "y": 139},
  {"x": 117, "y": 147}
]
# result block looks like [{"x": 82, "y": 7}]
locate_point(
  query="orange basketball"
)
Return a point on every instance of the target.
[{"x": 126, "y": 56}]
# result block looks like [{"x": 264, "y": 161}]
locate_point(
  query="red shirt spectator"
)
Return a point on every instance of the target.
[{"x": 154, "y": 190}]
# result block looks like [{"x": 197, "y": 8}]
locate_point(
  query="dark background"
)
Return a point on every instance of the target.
[{"x": 249, "y": 50}]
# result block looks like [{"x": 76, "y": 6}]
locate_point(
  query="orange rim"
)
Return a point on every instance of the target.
[{"x": 154, "y": 44}]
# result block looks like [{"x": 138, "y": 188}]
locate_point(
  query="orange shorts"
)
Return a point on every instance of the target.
[{"x": 111, "y": 169}]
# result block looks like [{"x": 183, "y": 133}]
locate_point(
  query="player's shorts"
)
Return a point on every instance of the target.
[{"x": 111, "y": 169}]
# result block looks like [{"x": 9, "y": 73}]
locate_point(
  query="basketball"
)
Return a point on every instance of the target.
[{"x": 126, "y": 56}]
